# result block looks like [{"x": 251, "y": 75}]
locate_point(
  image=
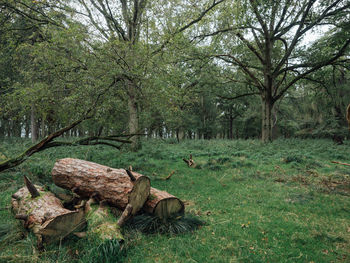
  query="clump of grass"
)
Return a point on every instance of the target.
[
  {"x": 293, "y": 158},
  {"x": 10, "y": 232},
  {"x": 108, "y": 252},
  {"x": 150, "y": 224}
]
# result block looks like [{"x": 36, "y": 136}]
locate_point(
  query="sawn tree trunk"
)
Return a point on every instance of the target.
[
  {"x": 113, "y": 186},
  {"x": 45, "y": 215}
]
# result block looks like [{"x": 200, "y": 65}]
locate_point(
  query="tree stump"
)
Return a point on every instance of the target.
[
  {"x": 114, "y": 186},
  {"x": 45, "y": 215}
]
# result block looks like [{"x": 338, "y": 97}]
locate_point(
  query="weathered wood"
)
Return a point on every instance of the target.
[
  {"x": 31, "y": 188},
  {"x": 163, "y": 204},
  {"x": 45, "y": 215},
  {"x": 111, "y": 185},
  {"x": 125, "y": 215},
  {"x": 190, "y": 162}
]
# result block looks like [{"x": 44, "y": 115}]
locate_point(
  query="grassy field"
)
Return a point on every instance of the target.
[{"x": 278, "y": 202}]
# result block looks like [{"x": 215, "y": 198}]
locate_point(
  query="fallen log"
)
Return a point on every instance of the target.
[
  {"x": 161, "y": 203},
  {"x": 43, "y": 213},
  {"x": 113, "y": 186}
]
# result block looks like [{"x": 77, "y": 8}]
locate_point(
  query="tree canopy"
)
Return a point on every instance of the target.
[{"x": 181, "y": 69}]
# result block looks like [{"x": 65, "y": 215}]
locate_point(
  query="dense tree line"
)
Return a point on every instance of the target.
[{"x": 180, "y": 69}]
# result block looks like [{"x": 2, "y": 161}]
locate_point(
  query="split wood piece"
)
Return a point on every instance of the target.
[
  {"x": 111, "y": 185},
  {"x": 102, "y": 224},
  {"x": 45, "y": 215},
  {"x": 190, "y": 162},
  {"x": 341, "y": 163}
]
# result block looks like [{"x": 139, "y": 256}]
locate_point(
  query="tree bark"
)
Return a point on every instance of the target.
[
  {"x": 266, "y": 129},
  {"x": 45, "y": 215},
  {"x": 111, "y": 185},
  {"x": 133, "y": 115}
]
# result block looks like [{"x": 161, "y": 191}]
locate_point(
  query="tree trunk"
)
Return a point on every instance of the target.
[
  {"x": 34, "y": 125},
  {"x": 45, "y": 215},
  {"x": 2, "y": 130},
  {"x": 27, "y": 127},
  {"x": 266, "y": 129},
  {"x": 231, "y": 125},
  {"x": 133, "y": 116},
  {"x": 348, "y": 115},
  {"x": 114, "y": 186},
  {"x": 163, "y": 204}
]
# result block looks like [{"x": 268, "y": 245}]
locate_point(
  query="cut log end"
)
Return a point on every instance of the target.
[
  {"x": 169, "y": 207},
  {"x": 63, "y": 225},
  {"x": 163, "y": 204},
  {"x": 45, "y": 215}
]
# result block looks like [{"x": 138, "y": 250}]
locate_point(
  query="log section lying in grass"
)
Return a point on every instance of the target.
[
  {"x": 114, "y": 186},
  {"x": 161, "y": 203},
  {"x": 44, "y": 214}
]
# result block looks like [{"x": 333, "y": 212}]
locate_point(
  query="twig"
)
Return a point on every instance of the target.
[
  {"x": 341, "y": 163},
  {"x": 170, "y": 175}
]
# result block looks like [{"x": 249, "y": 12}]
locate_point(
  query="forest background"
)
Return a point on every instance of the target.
[{"x": 180, "y": 69}]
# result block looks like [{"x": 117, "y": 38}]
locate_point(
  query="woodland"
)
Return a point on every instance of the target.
[{"x": 201, "y": 110}]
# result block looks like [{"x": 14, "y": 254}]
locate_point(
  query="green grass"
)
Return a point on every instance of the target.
[{"x": 278, "y": 202}]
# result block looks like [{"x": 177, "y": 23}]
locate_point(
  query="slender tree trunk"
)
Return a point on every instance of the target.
[
  {"x": 133, "y": 116},
  {"x": 266, "y": 129},
  {"x": 17, "y": 128},
  {"x": 34, "y": 125},
  {"x": 9, "y": 128},
  {"x": 231, "y": 126},
  {"x": 2, "y": 130},
  {"x": 27, "y": 127}
]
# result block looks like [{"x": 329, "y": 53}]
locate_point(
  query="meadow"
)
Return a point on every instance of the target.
[{"x": 278, "y": 202}]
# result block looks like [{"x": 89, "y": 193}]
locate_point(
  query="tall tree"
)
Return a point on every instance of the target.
[
  {"x": 270, "y": 33},
  {"x": 133, "y": 30}
]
